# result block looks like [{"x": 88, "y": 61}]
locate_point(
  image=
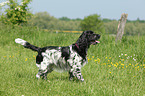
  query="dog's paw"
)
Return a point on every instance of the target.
[{"x": 82, "y": 80}]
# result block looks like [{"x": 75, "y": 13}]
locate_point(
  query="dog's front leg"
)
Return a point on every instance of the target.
[{"x": 77, "y": 73}]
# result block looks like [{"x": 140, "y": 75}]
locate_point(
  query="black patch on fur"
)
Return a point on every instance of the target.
[{"x": 65, "y": 52}]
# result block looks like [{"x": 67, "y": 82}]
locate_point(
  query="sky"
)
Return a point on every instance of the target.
[{"x": 111, "y": 9}]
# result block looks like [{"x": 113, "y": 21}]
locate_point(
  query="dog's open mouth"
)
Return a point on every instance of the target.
[{"x": 95, "y": 42}]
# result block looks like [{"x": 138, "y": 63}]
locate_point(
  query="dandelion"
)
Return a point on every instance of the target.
[
  {"x": 109, "y": 65},
  {"x": 26, "y": 59},
  {"x": 115, "y": 65},
  {"x": 92, "y": 56},
  {"x": 110, "y": 72},
  {"x": 122, "y": 64},
  {"x": 5, "y": 56}
]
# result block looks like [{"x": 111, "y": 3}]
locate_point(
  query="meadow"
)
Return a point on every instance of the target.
[{"x": 112, "y": 69}]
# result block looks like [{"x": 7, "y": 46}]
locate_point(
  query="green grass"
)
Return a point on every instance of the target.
[{"x": 112, "y": 70}]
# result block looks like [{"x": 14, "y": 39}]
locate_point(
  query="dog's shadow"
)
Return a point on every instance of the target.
[{"x": 63, "y": 78}]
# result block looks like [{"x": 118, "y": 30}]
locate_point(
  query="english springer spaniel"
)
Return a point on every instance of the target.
[{"x": 70, "y": 58}]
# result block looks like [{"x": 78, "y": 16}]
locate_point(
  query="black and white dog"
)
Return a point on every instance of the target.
[{"x": 70, "y": 58}]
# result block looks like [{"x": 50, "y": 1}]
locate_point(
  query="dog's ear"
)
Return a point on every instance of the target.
[{"x": 83, "y": 35}]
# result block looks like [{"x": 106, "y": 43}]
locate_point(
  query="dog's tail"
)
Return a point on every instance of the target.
[{"x": 27, "y": 44}]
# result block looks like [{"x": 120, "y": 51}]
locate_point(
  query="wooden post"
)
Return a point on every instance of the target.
[{"x": 121, "y": 26}]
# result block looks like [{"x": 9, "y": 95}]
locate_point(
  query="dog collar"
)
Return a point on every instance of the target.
[{"x": 77, "y": 45}]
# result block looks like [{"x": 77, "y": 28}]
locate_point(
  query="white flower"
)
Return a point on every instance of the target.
[
  {"x": 121, "y": 54},
  {"x": 134, "y": 59},
  {"x": 128, "y": 57}
]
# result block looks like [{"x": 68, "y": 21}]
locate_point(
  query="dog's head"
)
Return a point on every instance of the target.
[{"x": 90, "y": 37}]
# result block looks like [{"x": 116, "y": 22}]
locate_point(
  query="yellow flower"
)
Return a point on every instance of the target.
[
  {"x": 109, "y": 65},
  {"x": 26, "y": 59},
  {"x": 115, "y": 65},
  {"x": 106, "y": 57},
  {"x": 34, "y": 56},
  {"x": 136, "y": 64},
  {"x": 122, "y": 64},
  {"x": 109, "y": 72},
  {"x": 5, "y": 56},
  {"x": 92, "y": 56}
]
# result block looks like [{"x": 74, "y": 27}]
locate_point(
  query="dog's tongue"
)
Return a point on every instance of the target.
[{"x": 98, "y": 41}]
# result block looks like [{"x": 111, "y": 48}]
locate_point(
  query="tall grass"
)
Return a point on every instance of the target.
[{"x": 112, "y": 69}]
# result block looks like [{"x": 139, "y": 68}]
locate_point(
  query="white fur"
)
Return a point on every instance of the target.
[{"x": 20, "y": 41}]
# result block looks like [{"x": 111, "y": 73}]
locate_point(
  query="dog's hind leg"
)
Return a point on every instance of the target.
[{"x": 71, "y": 76}]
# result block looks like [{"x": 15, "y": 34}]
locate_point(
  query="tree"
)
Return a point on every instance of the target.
[
  {"x": 16, "y": 13},
  {"x": 3, "y": 4},
  {"x": 92, "y": 22}
]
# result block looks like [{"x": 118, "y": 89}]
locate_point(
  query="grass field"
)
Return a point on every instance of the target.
[{"x": 112, "y": 70}]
